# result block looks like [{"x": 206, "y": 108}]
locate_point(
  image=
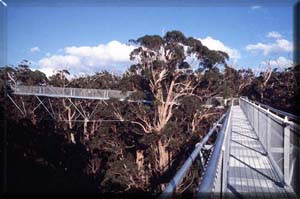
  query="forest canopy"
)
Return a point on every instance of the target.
[{"x": 128, "y": 146}]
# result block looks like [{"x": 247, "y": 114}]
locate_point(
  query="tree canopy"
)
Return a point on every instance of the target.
[{"x": 128, "y": 146}]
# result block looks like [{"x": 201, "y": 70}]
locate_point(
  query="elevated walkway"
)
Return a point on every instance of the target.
[
  {"x": 80, "y": 93},
  {"x": 256, "y": 154},
  {"x": 251, "y": 173}
]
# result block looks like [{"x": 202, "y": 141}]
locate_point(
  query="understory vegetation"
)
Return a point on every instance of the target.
[{"x": 127, "y": 146}]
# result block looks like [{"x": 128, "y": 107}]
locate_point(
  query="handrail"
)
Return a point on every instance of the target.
[
  {"x": 206, "y": 185},
  {"x": 187, "y": 164},
  {"x": 257, "y": 106},
  {"x": 289, "y": 115},
  {"x": 279, "y": 135},
  {"x": 276, "y": 111},
  {"x": 274, "y": 116}
]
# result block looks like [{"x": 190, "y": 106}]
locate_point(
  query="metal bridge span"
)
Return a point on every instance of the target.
[
  {"x": 79, "y": 93},
  {"x": 256, "y": 153}
]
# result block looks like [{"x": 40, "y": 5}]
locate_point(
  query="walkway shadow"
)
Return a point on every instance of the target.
[
  {"x": 279, "y": 184},
  {"x": 234, "y": 191},
  {"x": 254, "y": 138},
  {"x": 262, "y": 153}
]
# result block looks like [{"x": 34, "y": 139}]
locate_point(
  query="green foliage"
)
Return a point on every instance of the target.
[{"x": 153, "y": 42}]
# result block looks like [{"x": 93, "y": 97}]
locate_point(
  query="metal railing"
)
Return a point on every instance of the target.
[
  {"x": 81, "y": 93},
  {"x": 214, "y": 181},
  {"x": 280, "y": 136},
  {"x": 217, "y": 162}
]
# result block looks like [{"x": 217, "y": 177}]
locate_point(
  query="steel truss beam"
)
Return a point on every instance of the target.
[
  {"x": 86, "y": 117},
  {"x": 53, "y": 116},
  {"x": 23, "y": 113}
]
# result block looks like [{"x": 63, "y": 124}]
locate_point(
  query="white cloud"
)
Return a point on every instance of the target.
[
  {"x": 274, "y": 34},
  {"x": 215, "y": 44},
  {"x": 280, "y": 62},
  {"x": 34, "y": 49},
  {"x": 280, "y": 45},
  {"x": 113, "y": 56},
  {"x": 255, "y": 7}
]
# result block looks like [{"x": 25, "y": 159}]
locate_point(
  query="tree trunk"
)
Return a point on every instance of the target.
[
  {"x": 85, "y": 129},
  {"x": 163, "y": 157},
  {"x": 140, "y": 165}
]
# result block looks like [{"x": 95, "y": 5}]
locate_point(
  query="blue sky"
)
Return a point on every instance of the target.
[{"x": 89, "y": 39}]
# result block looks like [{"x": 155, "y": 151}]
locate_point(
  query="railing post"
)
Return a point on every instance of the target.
[
  {"x": 258, "y": 132},
  {"x": 252, "y": 122},
  {"x": 223, "y": 171},
  {"x": 268, "y": 131},
  {"x": 286, "y": 151}
]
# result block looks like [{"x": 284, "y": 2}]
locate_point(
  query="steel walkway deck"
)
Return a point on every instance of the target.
[{"x": 251, "y": 174}]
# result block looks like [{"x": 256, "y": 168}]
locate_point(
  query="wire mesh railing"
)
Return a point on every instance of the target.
[
  {"x": 82, "y": 93},
  {"x": 279, "y": 134}
]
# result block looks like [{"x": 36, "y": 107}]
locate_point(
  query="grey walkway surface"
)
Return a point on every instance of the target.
[{"x": 251, "y": 174}]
